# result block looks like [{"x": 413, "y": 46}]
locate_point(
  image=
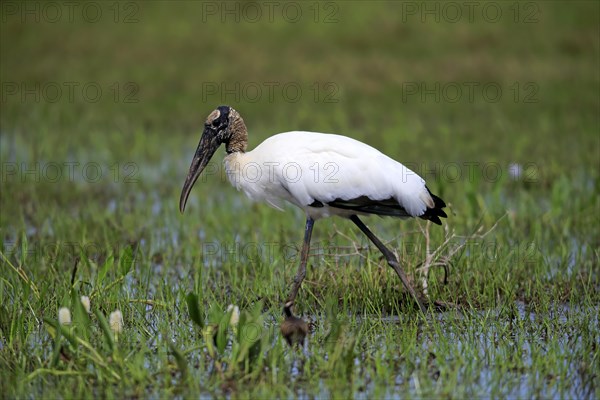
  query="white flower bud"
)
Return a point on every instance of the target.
[
  {"x": 86, "y": 303},
  {"x": 235, "y": 315},
  {"x": 64, "y": 316},
  {"x": 116, "y": 321}
]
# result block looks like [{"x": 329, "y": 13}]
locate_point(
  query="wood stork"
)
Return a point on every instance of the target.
[{"x": 323, "y": 174}]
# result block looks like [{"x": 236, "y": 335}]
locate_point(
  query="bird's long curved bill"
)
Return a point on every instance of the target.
[{"x": 206, "y": 148}]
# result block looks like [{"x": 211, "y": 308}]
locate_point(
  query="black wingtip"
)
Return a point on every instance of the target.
[
  {"x": 434, "y": 214},
  {"x": 436, "y": 220}
]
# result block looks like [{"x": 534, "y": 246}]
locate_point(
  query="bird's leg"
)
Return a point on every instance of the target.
[
  {"x": 389, "y": 256},
  {"x": 303, "y": 258}
]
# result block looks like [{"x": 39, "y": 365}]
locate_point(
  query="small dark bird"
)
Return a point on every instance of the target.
[{"x": 293, "y": 329}]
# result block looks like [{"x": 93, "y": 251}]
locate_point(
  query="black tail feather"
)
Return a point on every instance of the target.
[{"x": 434, "y": 214}]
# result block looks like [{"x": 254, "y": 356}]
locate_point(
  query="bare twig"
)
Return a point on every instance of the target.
[{"x": 442, "y": 255}]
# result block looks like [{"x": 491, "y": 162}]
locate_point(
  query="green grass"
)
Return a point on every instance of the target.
[{"x": 526, "y": 293}]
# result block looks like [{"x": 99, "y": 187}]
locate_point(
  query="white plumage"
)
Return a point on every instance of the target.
[
  {"x": 304, "y": 167},
  {"x": 324, "y": 174}
]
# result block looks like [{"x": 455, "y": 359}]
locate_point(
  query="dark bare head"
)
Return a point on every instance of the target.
[{"x": 223, "y": 126}]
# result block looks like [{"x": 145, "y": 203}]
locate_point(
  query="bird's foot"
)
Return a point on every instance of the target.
[{"x": 293, "y": 329}]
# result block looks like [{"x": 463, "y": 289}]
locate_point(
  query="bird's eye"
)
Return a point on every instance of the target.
[{"x": 216, "y": 122}]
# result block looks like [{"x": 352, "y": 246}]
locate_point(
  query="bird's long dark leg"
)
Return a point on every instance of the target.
[
  {"x": 303, "y": 258},
  {"x": 389, "y": 256}
]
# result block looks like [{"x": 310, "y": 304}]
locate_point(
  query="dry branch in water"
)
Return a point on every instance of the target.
[{"x": 442, "y": 255}]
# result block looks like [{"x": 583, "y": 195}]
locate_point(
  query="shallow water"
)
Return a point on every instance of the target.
[{"x": 474, "y": 337}]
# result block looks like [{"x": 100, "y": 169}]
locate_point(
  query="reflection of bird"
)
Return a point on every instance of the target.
[
  {"x": 293, "y": 329},
  {"x": 323, "y": 174}
]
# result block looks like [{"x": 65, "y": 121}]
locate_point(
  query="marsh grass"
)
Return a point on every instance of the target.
[{"x": 525, "y": 320}]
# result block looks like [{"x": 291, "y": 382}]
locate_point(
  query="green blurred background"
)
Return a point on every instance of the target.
[{"x": 356, "y": 63}]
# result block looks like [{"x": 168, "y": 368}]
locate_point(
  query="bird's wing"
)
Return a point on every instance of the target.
[
  {"x": 339, "y": 170},
  {"x": 388, "y": 207}
]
